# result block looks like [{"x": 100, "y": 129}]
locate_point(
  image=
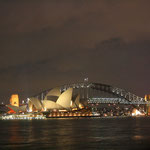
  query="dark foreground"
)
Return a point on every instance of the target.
[{"x": 76, "y": 134}]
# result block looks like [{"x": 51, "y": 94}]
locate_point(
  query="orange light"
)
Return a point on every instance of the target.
[
  {"x": 145, "y": 97},
  {"x": 14, "y": 100}
]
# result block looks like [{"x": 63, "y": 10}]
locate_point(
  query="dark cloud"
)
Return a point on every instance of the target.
[{"x": 48, "y": 43}]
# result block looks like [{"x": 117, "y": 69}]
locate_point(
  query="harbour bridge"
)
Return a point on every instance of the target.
[{"x": 100, "y": 93}]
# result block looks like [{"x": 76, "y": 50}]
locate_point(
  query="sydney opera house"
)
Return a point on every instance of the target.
[
  {"x": 55, "y": 100},
  {"x": 79, "y": 99}
]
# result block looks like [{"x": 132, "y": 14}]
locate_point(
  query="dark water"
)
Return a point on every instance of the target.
[{"x": 76, "y": 134}]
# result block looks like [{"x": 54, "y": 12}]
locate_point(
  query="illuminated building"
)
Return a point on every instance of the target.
[
  {"x": 14, "y": 100},
  {"x": 14, "y": 105},
  {"x": 55, "y": 100}
]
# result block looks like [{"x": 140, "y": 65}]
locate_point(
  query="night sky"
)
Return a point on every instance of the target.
[{"x": 46, "y": 43}]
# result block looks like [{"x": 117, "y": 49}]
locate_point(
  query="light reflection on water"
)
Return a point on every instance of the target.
[{"x": 94, "y": 134}]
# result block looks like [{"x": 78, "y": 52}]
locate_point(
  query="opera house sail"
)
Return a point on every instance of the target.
[{"x": 54, "y": 100}]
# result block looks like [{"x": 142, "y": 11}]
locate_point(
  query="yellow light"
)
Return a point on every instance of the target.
[
  {"x": 14, "y": 100},
  {"x": 137, "y": 113}
]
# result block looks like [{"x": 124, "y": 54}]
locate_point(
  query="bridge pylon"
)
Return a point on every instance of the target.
[{"x": 147, "y": 98}]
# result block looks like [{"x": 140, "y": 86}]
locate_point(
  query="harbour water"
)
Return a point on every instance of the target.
[{"x": 118, "y": 133}]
